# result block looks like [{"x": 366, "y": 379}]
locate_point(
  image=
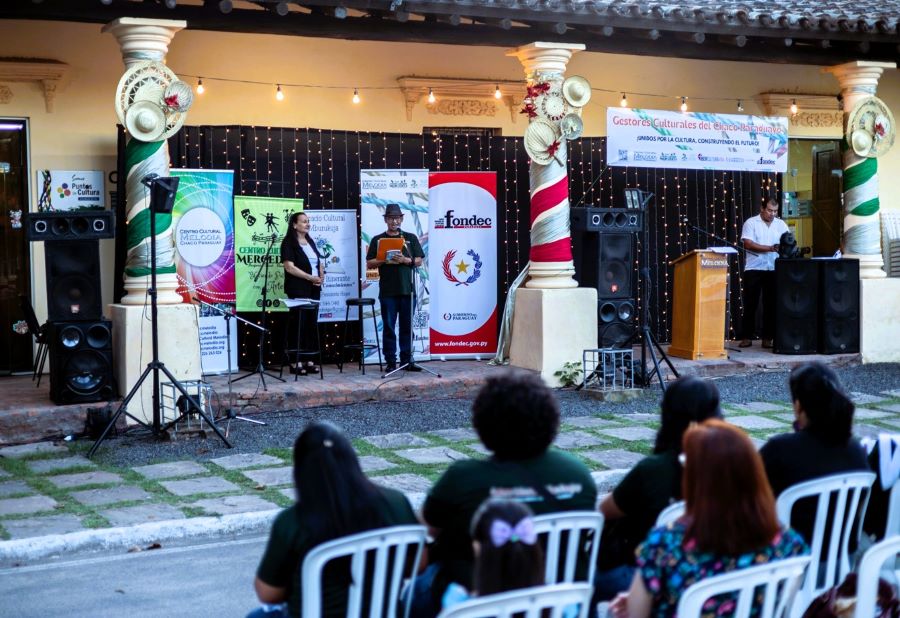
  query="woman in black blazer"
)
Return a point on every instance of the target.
[{"x": 304, "y": 273}]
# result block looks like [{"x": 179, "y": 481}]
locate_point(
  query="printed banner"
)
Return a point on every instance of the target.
[
  {"x": 666, "y": 139},
  {"x": 203, "y": 228},
  {"x": 70, "y": 190},
  {"x": 334, "y": 232},
  {"x": 463, "y": 260},
  {"x": 260, "y": 226},
  {"x": 409, "y": 189}
]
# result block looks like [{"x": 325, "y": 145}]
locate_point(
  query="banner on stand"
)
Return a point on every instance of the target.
[
  {"x": 463, "y": 261},
  {"x": 334, "y": 232},
  {"x": 70, "y": 190},
  {"x": 408, "y": 189},
  {"x": 203, "y": 229},
  {"x": 260, "y": 226},
  {"x": 681, "y": 140}
]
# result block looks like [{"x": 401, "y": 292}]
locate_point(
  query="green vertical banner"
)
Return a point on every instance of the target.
[{"x": 260, "y": 224}]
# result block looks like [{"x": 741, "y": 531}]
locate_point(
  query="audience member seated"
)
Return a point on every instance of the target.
[
  {"x": 507, "y": 554},
  {"x": 884, "y": 460},
  {"x": 822, "y": 443},
  {"x": 654, "y": 483},
  {"x": 729, "y": 523},
  {"x": 334, "y": 499},
  {"x": 517, "y": 418}
]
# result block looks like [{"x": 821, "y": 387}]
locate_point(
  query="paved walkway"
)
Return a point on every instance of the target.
[{"x": 53, "y": 499}]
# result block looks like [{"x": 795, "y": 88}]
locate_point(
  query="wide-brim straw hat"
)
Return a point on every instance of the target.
[
  {"x": 145, "y": 121},
  {"x": 577, "y": 91},
  {"x": 874, "y": 119},
  {"x": 539, "y": 136},
  {"x": 571, "y": 126}
]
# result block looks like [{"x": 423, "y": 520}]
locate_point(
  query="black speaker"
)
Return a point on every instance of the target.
[
  {"x": 81, "y": 367},
  {"x": 593, "y": 219},
  {"x": 69, "y": 225},
  {"x": 796, "y": 306},
  {"x": 615, "y": 321},
  {"x": 839, "y": 306},
  {"x": 605, "y": 261},
  {"x": 73, "y": 280}
]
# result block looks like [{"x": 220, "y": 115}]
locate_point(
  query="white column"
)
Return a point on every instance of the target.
[
  {"x": 861, "y": 237},
  {"x": 551, "y": 265},
  {"x": 139, "y": 40}
]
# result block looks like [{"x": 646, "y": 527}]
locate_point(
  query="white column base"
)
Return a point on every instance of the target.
[
  {"x": 870, "y": 266},
  {"x": 880, "y": 320},
  {"x": 179, "y": 349},
  {"x": 551, "y": 275},
  {"x": 552, "y": 327},
  {"x": 136, "y": 290}
]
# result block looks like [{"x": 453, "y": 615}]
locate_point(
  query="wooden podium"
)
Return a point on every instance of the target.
[{"x": 698, "y": 312}]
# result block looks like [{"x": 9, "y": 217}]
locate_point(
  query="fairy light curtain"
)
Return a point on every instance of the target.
[{"x": 322, "y": 166}]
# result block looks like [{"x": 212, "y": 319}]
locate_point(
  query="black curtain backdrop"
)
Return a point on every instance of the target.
[{"x": 322, "y": 167}]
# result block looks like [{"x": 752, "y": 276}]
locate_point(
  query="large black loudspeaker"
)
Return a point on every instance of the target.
[
  {"x": 593, "y": 219},
  {"x": 796, "y": 306},
  {"x": 80, "y": 361},
  {"x": 69, "y": 225},
  {"x": 73, "y": 280},
  {"x": 615, "y": 323},
  {"x": 839, "y": 306}
]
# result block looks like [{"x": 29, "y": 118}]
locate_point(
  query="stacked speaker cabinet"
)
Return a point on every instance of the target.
[
  {"x": 80, "y": 340},
  {"x": 796, "y": 306},
  {"x": 603, "y": 244},
  {"x": 839, "y": 306}
]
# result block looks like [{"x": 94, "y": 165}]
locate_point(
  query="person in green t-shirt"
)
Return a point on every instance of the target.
[
  {"x": 395, "y": 288},
  {"x": 335, "y": 499},
  {"x": 516, "y": 417}
]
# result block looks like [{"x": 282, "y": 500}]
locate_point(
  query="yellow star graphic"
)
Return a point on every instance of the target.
[{"x": 462, "y": 267}]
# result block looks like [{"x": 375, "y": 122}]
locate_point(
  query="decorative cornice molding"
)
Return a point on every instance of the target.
[
  {"x": 473, "y": 95},
  {"x": 47, "y": 73}
]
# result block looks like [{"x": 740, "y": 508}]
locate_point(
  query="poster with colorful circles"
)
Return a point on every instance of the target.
[{"x": 70, "y": 190}]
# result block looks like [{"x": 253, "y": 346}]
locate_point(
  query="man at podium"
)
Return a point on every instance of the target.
[{"x": 760, "y": 236}]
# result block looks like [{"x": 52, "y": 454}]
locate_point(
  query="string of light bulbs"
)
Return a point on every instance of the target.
[{"x": 432, "y": 97}]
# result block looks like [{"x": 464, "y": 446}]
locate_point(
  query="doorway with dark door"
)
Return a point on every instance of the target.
[
  {"x": 15, "y": 263},
  {"x": 811, "y": 204}
]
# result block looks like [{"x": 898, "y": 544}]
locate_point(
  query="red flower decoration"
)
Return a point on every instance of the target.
[
  {"x": 537, "y": 89},
  {"x": 879, "y": 129},
  {"x": 552, "y": 148},
  {"x": 529, "y": 109},
  {"x": 171, "y": 101}
]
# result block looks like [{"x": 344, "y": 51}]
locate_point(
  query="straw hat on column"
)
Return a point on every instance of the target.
[
  {"x": 540, "y": 137},
  {"x": 870, "y": 128},
  {"x": 577, "y": 91},
  {"x": 145, "y": 121}
]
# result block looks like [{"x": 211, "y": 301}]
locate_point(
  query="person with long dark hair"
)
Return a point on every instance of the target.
[
  {"x": 822, "y": 443},
  {"x": 334, "y": 499},
  {"x": 304, "y": 273},
  {"x": 730, "y": 523},
  {"x": 507, "y": 554},
  {"x": 654, "y": 483}
]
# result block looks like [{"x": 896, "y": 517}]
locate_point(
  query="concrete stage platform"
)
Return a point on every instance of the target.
[{"x": 28, "y": 415}]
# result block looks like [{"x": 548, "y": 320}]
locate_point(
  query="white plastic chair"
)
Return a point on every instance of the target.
[
  {"x": 848, "y": 494},
  {"x": 780, "y": 579},
  {"x": 869, "y": 568},
  {"x": 581, "y": 542},
  {"x": 385, "y": 550},
  {"x": 670, "y": 513},
  {"x": 528, "y": 602}
]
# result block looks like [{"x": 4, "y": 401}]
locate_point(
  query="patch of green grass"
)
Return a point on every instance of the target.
[
  {"x": 282, "y": 453},
  {"x": 193, "y": 511},
  {"x": 94, "y": 520}
]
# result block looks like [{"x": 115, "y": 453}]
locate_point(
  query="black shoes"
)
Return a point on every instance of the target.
[
  {"x": 389, "y": 367},
  {"x": 412, "y": 367}
]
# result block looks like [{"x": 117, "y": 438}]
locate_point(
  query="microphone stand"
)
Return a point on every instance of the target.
[
  {"x": 260, "y": 367},
  {"x": 229, "y": 411}
]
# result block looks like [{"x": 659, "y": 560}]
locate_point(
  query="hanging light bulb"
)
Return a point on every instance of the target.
[
  {"x": 431, "y": 97},
  {"x": 740, "y": 105},
  {"x": 278, "y": 93},
  {"x": 356, "y": 98},
  {"x": 497, "y": 93},
  {"x": 684, "y": 104},
  {"x": 200, "y": 88},
  {"x": 794, "y": 106},
  {"x": 624, "y": 101}
]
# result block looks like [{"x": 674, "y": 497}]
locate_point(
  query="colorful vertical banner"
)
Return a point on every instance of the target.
[
  {"x": 463, "y": 263},
  {"x": 408, "y": 189},
  {"x": 695, "y": 140},
  {"x": 260, "y": 224},
  {"x": 203, "y": 228},
  {"x": 334, "y": 232}
]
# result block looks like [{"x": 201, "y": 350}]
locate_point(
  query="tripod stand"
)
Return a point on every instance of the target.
[
  {"x": 229, "y": 410},
  {"x": 412, "y": 313},
  {"x": 162, "y": 199},
  {"x": 648, "y": 341},
  {"x": 260, "y": 367}
]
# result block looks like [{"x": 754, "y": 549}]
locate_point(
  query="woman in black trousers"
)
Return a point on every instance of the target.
[{"x": 304, "y": 273}]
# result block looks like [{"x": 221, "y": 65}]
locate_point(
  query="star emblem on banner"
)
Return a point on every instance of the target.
[{"x": 462, "y": 267}]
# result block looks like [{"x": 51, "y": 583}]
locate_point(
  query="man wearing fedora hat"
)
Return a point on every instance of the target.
[{"x": 396, "y": 288}]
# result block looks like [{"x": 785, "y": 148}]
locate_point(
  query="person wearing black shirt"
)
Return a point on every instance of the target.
[{"x": 304, "y": 273}]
